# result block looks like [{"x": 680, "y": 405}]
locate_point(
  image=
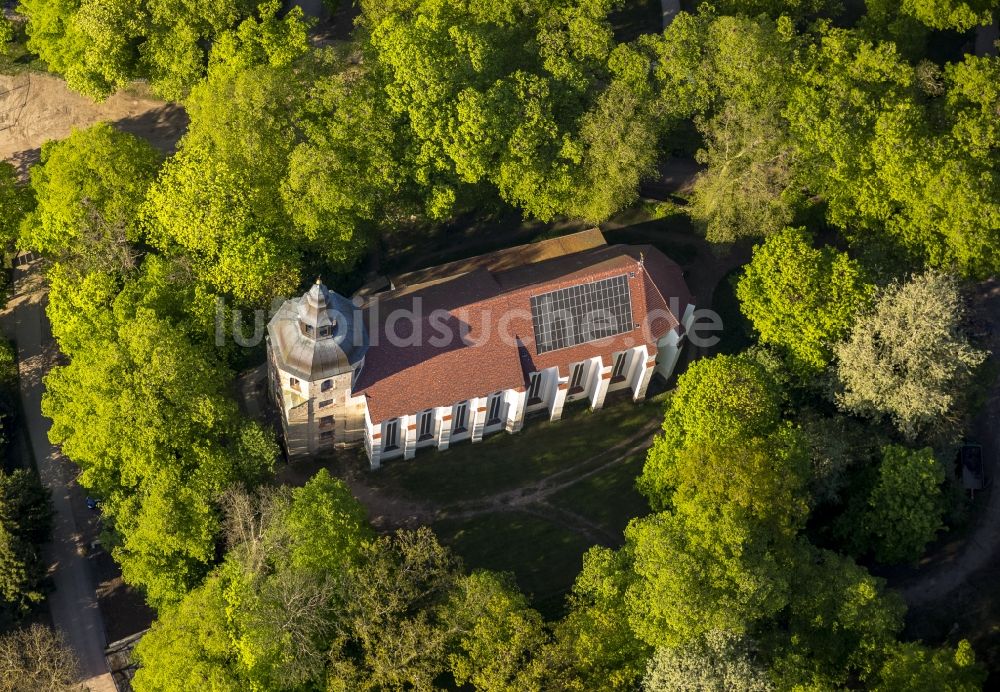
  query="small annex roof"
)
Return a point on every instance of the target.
[
  {"x": 472, "y": 333},
  {"x": 318, "y": 334},
  {"x": 501, "y": 260}
]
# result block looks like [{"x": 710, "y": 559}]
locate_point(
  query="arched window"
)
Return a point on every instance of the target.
[{"x": 326, "y": 386}]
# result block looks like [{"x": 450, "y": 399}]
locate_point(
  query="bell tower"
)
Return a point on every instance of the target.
[{"x": 316, "y": 345}]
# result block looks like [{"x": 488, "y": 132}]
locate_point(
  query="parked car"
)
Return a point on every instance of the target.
[
  {"x": 973, "y": 472},
  {"x": 93, "y": 503}
]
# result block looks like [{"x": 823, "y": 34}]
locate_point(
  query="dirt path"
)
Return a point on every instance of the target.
[
  {"x": 982, "y": 546},
  {"x": 35, "y": 108}
]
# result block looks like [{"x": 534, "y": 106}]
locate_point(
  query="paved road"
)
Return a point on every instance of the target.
[
  {"x": 670, "y": 9},
  {"x": 983, "y": 543},
  {"x": 312, "y": 8},
  {"x": 73, "y": 603},
  {"x": 986, "y": 39}
]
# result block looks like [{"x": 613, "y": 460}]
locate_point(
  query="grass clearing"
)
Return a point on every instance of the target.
[
  {"x": 17, "y": 59},
  {"x": 504, "y": 462},
  {"x": 543, "y": 556},
  {"x": 609, "y": 498}
]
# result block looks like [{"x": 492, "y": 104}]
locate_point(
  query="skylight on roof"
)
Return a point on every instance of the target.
[{"x": 581, "y": 313}]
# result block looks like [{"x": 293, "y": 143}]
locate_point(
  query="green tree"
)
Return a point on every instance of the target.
[
  {"x": 801, "y": 298},
  {"x": 511, "y": 96},
  {"x": 143, "y": 412},
  {"x": 89, "y": 43},
  {"x": 718, "y": 661},
  {"x": 25, "y": 524},
  {"x": 293, "y": 607},
  {"x": 893, "y": 160},
  {"x": 79, "y": 305},
  {"x": 396, "y": 632},
  {"x": 16, "y": 200},
  {"x": 837, "y": 445},
  {"x": 847, "y": 83},
  {"x": 906, "y": 506},
  {"x": 913, "y": 667},
  {"x": 354, "y": 172},
  {"x": 497, "y": 632},
  {"x": 920, "y": 383},
  {"x": 325, "y": 525},
  {"x": 887, "y": 20},
  {"x": 594, "y": 647},
  {"x": 721, "y": 399},
  {"x": 20, "y": 574},
  {"x": 960, "y": 15},
  {"x": 266, "y": 617},
  {"x": 6, "y": 33},
  {"x": 719, "y": 559},
  {"x": 765, "y": 475},
  {"x": 217, "y": 203},
  {"x": 25, "y": 507},
  {"x": 89, "y": 189},
  {"x": 839, "y": 623},
  {"x": 776, "y": 8},
  {"x": 702, "y": 569},
  {"x": 99, "y": 47},
  {"x": 189, "y": 645},
  {"x": 745, "y": 189}
]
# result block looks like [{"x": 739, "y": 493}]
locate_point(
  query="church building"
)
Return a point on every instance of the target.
[{"x": 475, "y": 347}]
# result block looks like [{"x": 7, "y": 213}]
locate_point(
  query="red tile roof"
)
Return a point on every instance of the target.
[{"x": 474, "y": 335}]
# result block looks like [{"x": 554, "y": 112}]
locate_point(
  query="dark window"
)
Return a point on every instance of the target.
[
  {"x": 325, "y": 330},
  {"x": 461, "y": 417},
  {"x": 293, "y": 383},
  {"x": 325, "y": 403},
  {"x": 426, "y": 425},
  {"x": 326, "y": 435},
  {"x": 326, "y": 422},
  {"x": 534, "y": 386},
  {"x": 618, "y": 372},
  {"x": 576, "y": 380},
  {"x": 326, "y": 386},
  {"x": 390, "y": 436},
  {"x": 308, "y": 329},
  {"x": 496, "y": 404}
]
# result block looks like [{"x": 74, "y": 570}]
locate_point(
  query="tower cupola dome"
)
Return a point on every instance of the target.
[{"x": 318, "y": 335}]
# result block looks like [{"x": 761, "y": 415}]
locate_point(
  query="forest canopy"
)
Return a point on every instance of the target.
[{"x": 854, "y": 161}]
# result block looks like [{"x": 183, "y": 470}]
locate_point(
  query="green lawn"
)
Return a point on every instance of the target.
[
  {"x": 17, "y": 58},
  {"x": 503, "y": 462},
  {"x": 609, "y": 499},
  {"x": 544, "y": 557}
]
